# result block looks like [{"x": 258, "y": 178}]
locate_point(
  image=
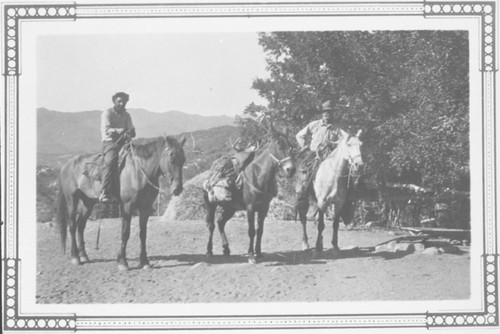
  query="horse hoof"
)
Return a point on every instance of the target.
[
  {"x": 84, "y": 259},
  {"x": 305, "y": 246},
  {"x": 252, "y": 260},
  {"x": 226, "y": 252},
  {"x": 209, "y": 254},
  {"x": 336, "y": 249},
  {"x": 146, "y": 266},
  {"x": 123, "y": 267},
  {"x": 259, "y": 256},
  {"x": 75, "y": 261}
]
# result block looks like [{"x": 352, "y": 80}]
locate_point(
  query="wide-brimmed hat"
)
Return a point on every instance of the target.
[{"x": 327, "y": 106}]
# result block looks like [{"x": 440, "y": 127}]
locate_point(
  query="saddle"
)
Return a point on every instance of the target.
[{"x": 95, "y": 163}]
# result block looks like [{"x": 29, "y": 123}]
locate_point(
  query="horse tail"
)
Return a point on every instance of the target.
[{"x": 62, "y": 216}]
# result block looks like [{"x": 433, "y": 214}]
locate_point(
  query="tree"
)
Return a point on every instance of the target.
[{"x": 408, "y": 90}]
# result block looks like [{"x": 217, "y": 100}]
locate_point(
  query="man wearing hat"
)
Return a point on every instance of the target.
[
  {"x": 323, "y": 136},
  {"x": 116, "y": 130}
]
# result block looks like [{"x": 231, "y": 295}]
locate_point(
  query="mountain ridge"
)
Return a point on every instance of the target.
[{"x": 78, "y": 132}]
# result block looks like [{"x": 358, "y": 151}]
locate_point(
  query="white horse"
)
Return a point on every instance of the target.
[{"x": 336, "y": 176}]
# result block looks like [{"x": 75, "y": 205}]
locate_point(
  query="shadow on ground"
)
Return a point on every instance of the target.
[{"x": 280, "y": 258}]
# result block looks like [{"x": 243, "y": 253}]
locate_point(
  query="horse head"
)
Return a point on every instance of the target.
[
  {"x": 172, "y": 161},
  {"x": 280, "y": 151},
  {"x": 353, "y": 152}
]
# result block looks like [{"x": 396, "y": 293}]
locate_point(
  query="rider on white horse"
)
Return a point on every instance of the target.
[{"x": 323, "y": 135}]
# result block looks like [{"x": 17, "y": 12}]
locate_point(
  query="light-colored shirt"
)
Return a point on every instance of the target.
[
  {"x": 111, "y": 121},
  {"x": 320, "y": 133}
]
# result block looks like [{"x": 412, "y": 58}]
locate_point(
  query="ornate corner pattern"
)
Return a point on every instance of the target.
[
  {"x": 485, "y": 10},
  {"x": 14, "y": 321},
  {"x": 489, "y": 317},
  {"x": 13, "y": 14}
]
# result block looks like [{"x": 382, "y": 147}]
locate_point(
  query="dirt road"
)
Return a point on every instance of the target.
[{"x": 182, "y": 273}]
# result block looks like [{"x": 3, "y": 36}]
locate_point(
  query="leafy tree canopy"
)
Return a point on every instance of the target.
[{"x": 407, "y": 90}]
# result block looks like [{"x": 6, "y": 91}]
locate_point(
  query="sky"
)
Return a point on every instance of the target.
[{"x": 197, "y": 73}]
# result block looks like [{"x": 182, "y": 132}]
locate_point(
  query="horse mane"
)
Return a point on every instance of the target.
[
  {"x": 171, "y": 141},
  {"x": 146, "y": 147}
]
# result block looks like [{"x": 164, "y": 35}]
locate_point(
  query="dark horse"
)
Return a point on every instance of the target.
[
  {"x": 334, "y": 182},
  {"x": 259, "y": 187},
  {"x": 142, "y": 167}
]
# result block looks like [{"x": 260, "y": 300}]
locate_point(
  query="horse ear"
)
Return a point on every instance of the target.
[
  {"x": 359, "y": 133},
  {"x": 182, "y": 141},
  {"x": 271, "y": 130}
]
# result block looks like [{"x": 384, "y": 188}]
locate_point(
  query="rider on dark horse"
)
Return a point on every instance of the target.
[
  {"x": 323, "y": 135},
  {"x": 116, "y": 130}
]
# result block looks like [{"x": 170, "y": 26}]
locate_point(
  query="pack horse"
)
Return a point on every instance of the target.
[
  {"x": 145, "y": 162},
  {"x": 259, "y": 186}
]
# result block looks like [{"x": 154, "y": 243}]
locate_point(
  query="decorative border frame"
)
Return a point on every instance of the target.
[{"x": 15, "y": 14}]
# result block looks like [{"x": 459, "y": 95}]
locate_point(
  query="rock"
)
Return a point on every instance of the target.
[
  {"x": 431, "y": 251},
  {"x": 405, "y": 247},
  {"x": 391, "y": 246},
  {"x": 199, "y": 265},
  {"x": 419, "y": 247},
  {"x": 381, "y": 248},
  {"x": 372, "y": 224},
  {"x": 449, "y": 249}
]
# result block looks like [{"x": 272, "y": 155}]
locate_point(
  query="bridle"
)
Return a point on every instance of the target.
[
  {"x": 351, "y": 159},
  {"x": 144, "y": 172},
  {"x": 278, "y": 161}
]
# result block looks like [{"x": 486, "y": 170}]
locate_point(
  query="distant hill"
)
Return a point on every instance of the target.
[{"x": 68, "y": 133}]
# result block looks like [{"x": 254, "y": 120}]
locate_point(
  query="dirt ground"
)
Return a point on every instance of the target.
[{"x": 182, "y": 273}]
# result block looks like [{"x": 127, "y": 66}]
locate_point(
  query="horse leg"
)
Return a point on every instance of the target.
[
  {"x": 143, "y": 229},
  {"x": 221, "y": 223},
  {"x": 73, "y": 207},
  {"x": 251, "y": 235},
  {"x": 335, "y": 244},
  {"x": 260, "y": 230},
  {"x": 321, "y": 227},
  {"x": 347, "y": 213},
  {"x": 303, "y": 221},
  {"x": 82, "y": 223},
  {"x": 302, "y": 206},
  {"x": 211, "y": 226},
  {"x": 122, "y": 257}
]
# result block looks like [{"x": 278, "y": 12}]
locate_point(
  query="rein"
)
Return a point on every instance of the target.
[{"x": 144, "y": 172}]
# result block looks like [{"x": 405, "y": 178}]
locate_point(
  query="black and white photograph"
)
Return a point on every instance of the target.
[{"x": 302, "y": 166}]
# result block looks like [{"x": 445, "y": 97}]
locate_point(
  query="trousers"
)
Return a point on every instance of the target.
[{"x": 110, "y": 175}]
